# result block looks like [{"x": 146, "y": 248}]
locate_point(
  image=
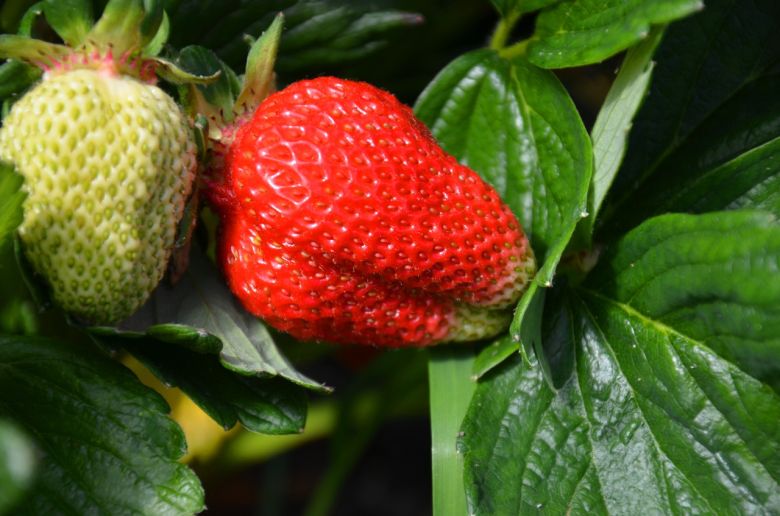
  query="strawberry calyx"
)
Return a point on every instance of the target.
[
  {"x": 229, "y": 108},
  {"x": 229, "y": 104},
  {"x": 61, "y": 59},
  {"x": 124, "y": 41}
]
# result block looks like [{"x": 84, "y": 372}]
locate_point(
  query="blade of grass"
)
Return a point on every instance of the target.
[{"x": 451, "y": 388}]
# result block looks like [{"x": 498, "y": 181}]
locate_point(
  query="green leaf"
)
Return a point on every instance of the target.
[
  {"x": 711, "y": 277},
  {"x": 331, "y": 33},
  {"x": 555, "y": 349},
  {"x": 650, "y": 422},
  {"x": 451, "y": 387},
  {"x": 17, "y": 464},
  {"x": 317, "y": 32},
  {"x": 106, "y": 444},
  {"x": 507, "y": 8},
  {"x": 731, "y": 161},
  {"x": 16, "y": 76},
  {"x": 11, "y": 200},
  {"x": 612, "y": 126},
  {"x": 751, "y": 180},
  {"x": 516, "y": 125},
  {"x": 202, "y": 309},
  {"x": 269, "y": 406},
  {"x": 709, "y": 102},
  {"x": 580, "y": 32},
  {"x": 71, "y": 19}
]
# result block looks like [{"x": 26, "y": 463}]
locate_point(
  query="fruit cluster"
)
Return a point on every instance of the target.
[{"x": 341, "y": 217}]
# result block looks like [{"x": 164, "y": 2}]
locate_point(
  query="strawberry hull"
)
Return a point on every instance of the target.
[{"x": 343, "y": 220}]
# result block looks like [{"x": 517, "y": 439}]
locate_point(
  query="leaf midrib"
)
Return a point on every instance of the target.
[
  {"x": 663, "y": 328},
  {"x": 659, "y": 450}
]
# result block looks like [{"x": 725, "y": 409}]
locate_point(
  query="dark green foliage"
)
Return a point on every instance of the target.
[
  {"x": 106, "y": 443},
  {"x": 652, "y": 389},
  {"x": 710, "y": 118},
  {"x": 649, "y": 368}
]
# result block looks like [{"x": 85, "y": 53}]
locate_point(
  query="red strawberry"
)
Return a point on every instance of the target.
[{"x": 343, "y": 220}]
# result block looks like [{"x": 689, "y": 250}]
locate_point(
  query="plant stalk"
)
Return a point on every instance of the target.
[
  {"x": 503, "y": 31},
  {"x": 451, "y": 389}
]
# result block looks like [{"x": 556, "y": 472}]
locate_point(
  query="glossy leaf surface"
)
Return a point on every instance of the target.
[
  {"x": 580, "y": 32},
  {"x": 94, "y": 424},
  {"x": 710, "y": 277},
  {"x": 613, "y": 124},
  {"x": 709, "y": 103},
  {"x": 649, "y": 422},
  {"x": 201, "y": 312},
  {"x": 317, "y": 32},
  {"x": 265, "y": 405}
]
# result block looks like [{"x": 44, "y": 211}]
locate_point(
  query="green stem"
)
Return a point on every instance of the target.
[
  {"x": 518, "y": 49},
  {"x": 503, "y": 30},
  {"x": 451, "y": 388}
]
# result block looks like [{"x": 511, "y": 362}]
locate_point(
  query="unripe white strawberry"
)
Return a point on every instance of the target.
[
  {"x": 108, "y": 163},
  {"x": 108, "y": 158}
]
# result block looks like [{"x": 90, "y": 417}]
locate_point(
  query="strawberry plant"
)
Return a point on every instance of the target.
[{"x": 198, "y": 221}]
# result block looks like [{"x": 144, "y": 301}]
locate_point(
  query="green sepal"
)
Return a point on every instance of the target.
[
  {"x": 214, "y": 101},
  {"x": 200, "y": 132},
  {"x": 259, "y": 77},
  {"x": 153, "y": 20},
  {"x": 171, "y": 72},
  {"x": 27, "y": 21},
  {"x": 156, "y": 44},
  {"x": 36, "y": 52},
  {"x": 119, "y": 28},
  {"x": 128, "y": 26},
  {"x": 71, "y": 19}
]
